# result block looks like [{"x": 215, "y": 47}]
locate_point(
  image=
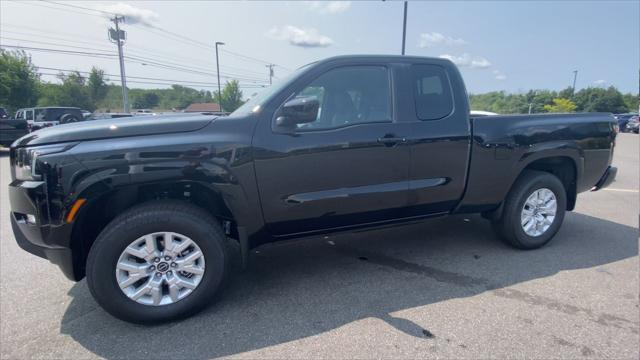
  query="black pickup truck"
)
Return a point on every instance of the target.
[{"x": 153, "y": 212}]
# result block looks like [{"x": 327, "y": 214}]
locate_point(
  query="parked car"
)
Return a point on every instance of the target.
[
  {"x": 144, "y": 112},
  {"x": 633, "y": 124},
  {"x": 11, "y": 130},
  {"x": 623, "y": 119},
  {"x": 41, "y": 117},
  {"x": 102, "y": 116},
  {"x": 3, "y": 113},
  {"x": 85, "y": 113},
  {"x": 154, "y": 212}
]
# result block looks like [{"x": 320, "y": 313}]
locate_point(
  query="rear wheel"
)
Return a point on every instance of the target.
[
  {"x": 68, "y": 118},
  {"x": 159, "y": 261},
  {"x": 533, "y": 210}
]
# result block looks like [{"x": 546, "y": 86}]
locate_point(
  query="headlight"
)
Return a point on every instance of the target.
[{"x": 25, "y": 164}]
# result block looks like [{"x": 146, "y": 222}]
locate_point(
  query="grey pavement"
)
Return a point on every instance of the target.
[{"x": 443, "y": 288}]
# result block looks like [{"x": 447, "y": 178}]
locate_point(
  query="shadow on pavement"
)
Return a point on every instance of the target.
[{"x": 297, "y": 290}]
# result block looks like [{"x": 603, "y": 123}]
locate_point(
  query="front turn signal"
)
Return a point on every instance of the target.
[{"x": 74, "y": 209}]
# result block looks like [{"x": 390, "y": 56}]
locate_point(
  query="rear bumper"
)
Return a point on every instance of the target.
[
  {"x": 39, "y": 237},
  {"x": 607, "y": 178}
]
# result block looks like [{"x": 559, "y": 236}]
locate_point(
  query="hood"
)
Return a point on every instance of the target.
[{"x": 114, "y": 128}]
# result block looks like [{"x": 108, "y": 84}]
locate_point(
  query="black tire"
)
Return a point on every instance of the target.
[
  {"x": 509, "y": 227},
  {"x": 68, "y": 118},
  {"x": 156, "y": 216}
]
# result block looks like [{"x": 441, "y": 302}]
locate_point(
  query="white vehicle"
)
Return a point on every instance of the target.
[
  {"x": 476, "y": 113},
  {"x": 144, "y": 112}
]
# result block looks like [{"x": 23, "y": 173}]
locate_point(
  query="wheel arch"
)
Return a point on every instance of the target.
[
  {"x": 564, "y": 166},
  {"x": 103, "y": 207}
]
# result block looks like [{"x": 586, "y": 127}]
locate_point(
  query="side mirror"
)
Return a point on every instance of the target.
[{"x": 300, "y": 110}]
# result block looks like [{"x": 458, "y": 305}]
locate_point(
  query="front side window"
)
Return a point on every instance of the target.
[
  {"x": 19, "y": 115},
  {"x": 349, "y": 95},
  {"x": 432, "y": 92},
  {"x": 29, "y": 115}
]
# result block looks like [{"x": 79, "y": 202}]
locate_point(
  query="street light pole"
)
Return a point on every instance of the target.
[
  {"x": 573, "y": 88},
  {"x": 404, "y": 27},
  {"x": 218, "y": 74}
]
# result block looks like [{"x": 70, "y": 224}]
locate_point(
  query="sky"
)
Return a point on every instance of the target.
[{"x": 498, "y": 45}]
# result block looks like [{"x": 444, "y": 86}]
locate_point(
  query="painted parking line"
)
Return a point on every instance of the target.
[{"x": 621, "y": 190}]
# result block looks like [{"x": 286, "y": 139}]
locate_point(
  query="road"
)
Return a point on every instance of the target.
[{"x": 444, "y": 288}]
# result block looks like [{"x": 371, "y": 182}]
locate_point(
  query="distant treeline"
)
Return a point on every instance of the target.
[
  {"x": 21, "y": 86},
  {"x": 592, "y": 99}
]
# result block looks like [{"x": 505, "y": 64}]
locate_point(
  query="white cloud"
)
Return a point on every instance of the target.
[
  {"x": 329, "y": 7},
  {"x": 435, "y": 39},
  {"x": 499, "y": 75},
  {"x": 600, "y": 82},
  {"x": 466, "y": 60},
  {"x": 133, "y": 15},
  {"x": 296, "y": 36}
]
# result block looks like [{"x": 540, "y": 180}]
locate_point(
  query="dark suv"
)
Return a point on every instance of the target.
[{"x": 41, "y": 117}]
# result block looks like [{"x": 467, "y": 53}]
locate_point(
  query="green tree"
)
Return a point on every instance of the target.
[
  {"x": 594, "y": 99},
  {"x": 146, "y": 100},
  {"x": 566, "y": 93},
  {"x": 561, "y": 105},
  {"x": 632, "y": 101},
  {"x": 231, "y": 97},
  {"x": 97, "y": 85},
  {"x": 19, "y": 80},
  {"x": 72, "y": 92}
]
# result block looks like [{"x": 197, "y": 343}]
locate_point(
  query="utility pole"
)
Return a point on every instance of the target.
[
  {"x": 404, "y": 27},
  {"x": 270, "y": 66},
  {"x": 573, "y": 88},
  {"x": 119, "y": 37},
  {"x": 218, "y": 73},
  {"x": 532, "y": 99}
]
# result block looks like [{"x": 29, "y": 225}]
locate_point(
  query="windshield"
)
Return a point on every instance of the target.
[{"x": 263, "y": 95}]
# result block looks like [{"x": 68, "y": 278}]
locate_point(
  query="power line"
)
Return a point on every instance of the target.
[
  {"x": 137, "y": 49},
  {"x": 146, "y": 27},
  {"x": 50, "y": 43},
  {"x": 80, "y": 7},
  {"x": 70, "y": 52},
  {"x": 52, "y": 7},
  {"x": 170, "y": 83},
  {"x": 129, "y": 76},
  {"x": 135, "y": 57}
]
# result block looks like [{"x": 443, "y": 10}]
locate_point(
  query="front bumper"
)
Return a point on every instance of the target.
[
  {"x": 607, "y": 178},
  {"x": 39, "y": 237}
]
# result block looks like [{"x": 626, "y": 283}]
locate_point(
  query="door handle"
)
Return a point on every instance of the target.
[{"x": 390, "y": 141}]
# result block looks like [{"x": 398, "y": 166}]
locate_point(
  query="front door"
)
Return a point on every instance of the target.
[{"x": 348, "y": 167}]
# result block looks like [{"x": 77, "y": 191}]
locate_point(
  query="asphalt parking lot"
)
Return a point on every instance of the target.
[{"x": 445, "y": 288}]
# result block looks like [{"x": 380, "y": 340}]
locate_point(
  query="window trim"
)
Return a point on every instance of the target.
[
  {"x": 392, "y": 119},
  {"x": 414, "y": 91}
]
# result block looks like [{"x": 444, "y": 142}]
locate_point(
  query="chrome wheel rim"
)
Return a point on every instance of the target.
[
  {"x": 160, "y": 268},
  {"x": 538, "y": 212}
]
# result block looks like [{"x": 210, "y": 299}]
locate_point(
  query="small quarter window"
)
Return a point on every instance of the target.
[{"x": 432, "y": 92}]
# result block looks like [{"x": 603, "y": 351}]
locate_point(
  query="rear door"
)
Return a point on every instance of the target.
[
  {"x": 434, "y": 103},
  {"x": 348, "y": 167}
]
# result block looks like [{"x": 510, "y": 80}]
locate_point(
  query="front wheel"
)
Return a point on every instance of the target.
[
  {"x": 157, "y": 262},
  {"x": 533, "y": 210}
]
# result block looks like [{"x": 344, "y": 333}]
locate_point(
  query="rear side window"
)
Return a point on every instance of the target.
[{"x": 431, "y": 91}]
